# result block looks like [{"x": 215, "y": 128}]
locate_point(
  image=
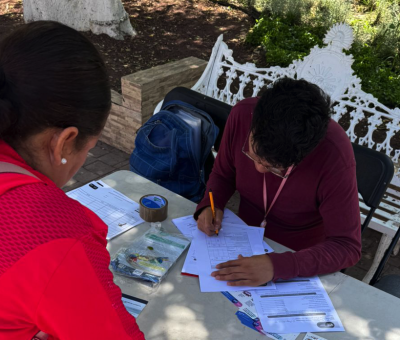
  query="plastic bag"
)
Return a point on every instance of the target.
[{"x": 150, "y": 257}]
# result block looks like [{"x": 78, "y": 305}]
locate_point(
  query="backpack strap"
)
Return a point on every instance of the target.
[{"x": 12, "y": 168}]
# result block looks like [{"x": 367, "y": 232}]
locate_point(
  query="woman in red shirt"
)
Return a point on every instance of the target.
[{"x": 54, "y": 278}]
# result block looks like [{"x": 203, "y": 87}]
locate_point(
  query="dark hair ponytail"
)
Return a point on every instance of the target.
[
  {"x": 7, "y": 117},
  {"x": 51, "y": 76}
]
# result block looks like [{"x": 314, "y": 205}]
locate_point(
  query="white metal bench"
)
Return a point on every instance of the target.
[{"x": 328, "y": 67}]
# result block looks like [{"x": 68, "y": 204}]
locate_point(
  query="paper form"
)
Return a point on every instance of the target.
[
  {"x": 228, "y": 245},
  {"x": 116, "y": 210},
  {"x": 244, "y": 301},
  {"x": 248, "y": 307},
  {"x": 297, "y": 305},
  {"x": 188, "y": 227},
  {"x": 187, "y": 224},
  {"x": 134, "y": 306}
]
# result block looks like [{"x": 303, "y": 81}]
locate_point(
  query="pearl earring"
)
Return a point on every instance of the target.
[{"x": 63, "y": 161}]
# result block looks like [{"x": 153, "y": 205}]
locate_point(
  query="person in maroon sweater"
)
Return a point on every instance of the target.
[{"x": 283, "y": 149}]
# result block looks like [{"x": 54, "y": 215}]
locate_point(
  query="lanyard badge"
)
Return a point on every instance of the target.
[{"x": 264, "y": 222}]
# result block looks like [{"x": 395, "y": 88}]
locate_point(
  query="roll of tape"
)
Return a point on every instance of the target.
[{"x": 153, "y": 208}]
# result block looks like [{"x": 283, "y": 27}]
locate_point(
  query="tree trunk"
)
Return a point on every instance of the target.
[{"x": 98, "y": 16}]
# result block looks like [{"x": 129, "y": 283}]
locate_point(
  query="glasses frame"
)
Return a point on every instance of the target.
[{"x": 270, "y": 169}]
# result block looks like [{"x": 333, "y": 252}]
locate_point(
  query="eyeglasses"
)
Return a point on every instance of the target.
[{"x": 270, "y": 169}]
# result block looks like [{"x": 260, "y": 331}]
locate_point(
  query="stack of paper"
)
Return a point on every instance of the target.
[
  {"x": 297, "y": 305},
  {"x": 233, "y": 240},
  {"x": 248, "y": 316},
  {"x": 188, "y": 227},
  {"x": 294, "y": 306},
  {"x": 280, "y": 310}
]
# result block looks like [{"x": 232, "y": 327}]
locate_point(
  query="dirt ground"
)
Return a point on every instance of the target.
[{"x": 167, "y": 30}]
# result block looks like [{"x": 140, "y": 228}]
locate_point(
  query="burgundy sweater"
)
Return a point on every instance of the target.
[{"x": 317, "y": 213}]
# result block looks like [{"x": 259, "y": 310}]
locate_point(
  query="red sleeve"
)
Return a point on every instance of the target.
[
  {"x": 223, "y": 176},
  {"x": 342, "y": 245},
  {"x": 81, "y": 301}
]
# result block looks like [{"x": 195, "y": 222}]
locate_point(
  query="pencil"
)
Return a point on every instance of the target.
[{"x": 212, "y": 208}]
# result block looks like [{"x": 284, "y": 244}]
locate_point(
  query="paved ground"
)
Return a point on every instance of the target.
[
  {"x": 105, "y": 159},
  {"x": 102, "y": 160}
]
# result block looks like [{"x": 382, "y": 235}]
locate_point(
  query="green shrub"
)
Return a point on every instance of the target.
[
  {"x": 285, "y": 42},
  {"x": 294, "y": 10},
  {"x": 379, "y": 77}
]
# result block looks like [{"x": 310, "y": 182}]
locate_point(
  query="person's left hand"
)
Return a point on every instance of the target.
[{"x": 246, "y": 271}]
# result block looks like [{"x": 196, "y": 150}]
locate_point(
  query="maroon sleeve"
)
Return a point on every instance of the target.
[
  {"x": 223, "y": 176},
  {"x": 339, "y": 208}
]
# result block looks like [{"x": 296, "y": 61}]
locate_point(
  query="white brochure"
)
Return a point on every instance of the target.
[
  {"x": 228, "y": 245},
  {"x": 297, "y": 305},
  {"x": 188, "y": 227},
  {"x": 245, "y": 304},
  {"x": 248, "y": 307},
  {"x": 116, "y": 210}
]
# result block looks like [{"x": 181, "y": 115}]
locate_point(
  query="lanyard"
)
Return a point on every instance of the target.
[{"x": 264, "y": 222}]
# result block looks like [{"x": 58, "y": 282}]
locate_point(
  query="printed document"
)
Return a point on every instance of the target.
[
  {"x": 133, "y": 305},
  {"x": 188, "y": 227},
  {"x": 297, "y": 305},
  {"x": 116, "y": 210},
  {"x": 187, "y": 224},
  {"x": 244, "y": 301},
  {"x": 228, "y": 245}
]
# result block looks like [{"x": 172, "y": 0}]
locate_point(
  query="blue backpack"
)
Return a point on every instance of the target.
[{"x": 172, "y": 147}]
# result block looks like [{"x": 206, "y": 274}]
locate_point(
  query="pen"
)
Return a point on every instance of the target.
[{"x": 212, "y": 208}]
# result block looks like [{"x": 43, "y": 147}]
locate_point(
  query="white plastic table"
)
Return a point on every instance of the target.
[{"x": 177, "y": 310}]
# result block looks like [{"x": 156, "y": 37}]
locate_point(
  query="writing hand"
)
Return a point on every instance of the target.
[
  {"x": 246, "y": 271},
  {"x": 205, "y": 221}
]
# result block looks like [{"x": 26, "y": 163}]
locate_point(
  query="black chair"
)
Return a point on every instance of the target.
[
  {"x": 390, "y": 283},
  {"x": 374, "y": 173},
  {"x": 219, "y": 112}
]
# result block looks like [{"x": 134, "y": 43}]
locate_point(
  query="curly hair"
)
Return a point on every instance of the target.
[{"x": 289, "y": 121}]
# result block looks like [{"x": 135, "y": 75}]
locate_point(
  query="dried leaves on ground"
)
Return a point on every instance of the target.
[{"x": 167, "y": 30}]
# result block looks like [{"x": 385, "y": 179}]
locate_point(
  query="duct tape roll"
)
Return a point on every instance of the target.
[{"x": 153, "y": 208}]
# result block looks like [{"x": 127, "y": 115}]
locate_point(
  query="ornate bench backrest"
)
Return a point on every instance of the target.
[{"x": 328, "y": 67}]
